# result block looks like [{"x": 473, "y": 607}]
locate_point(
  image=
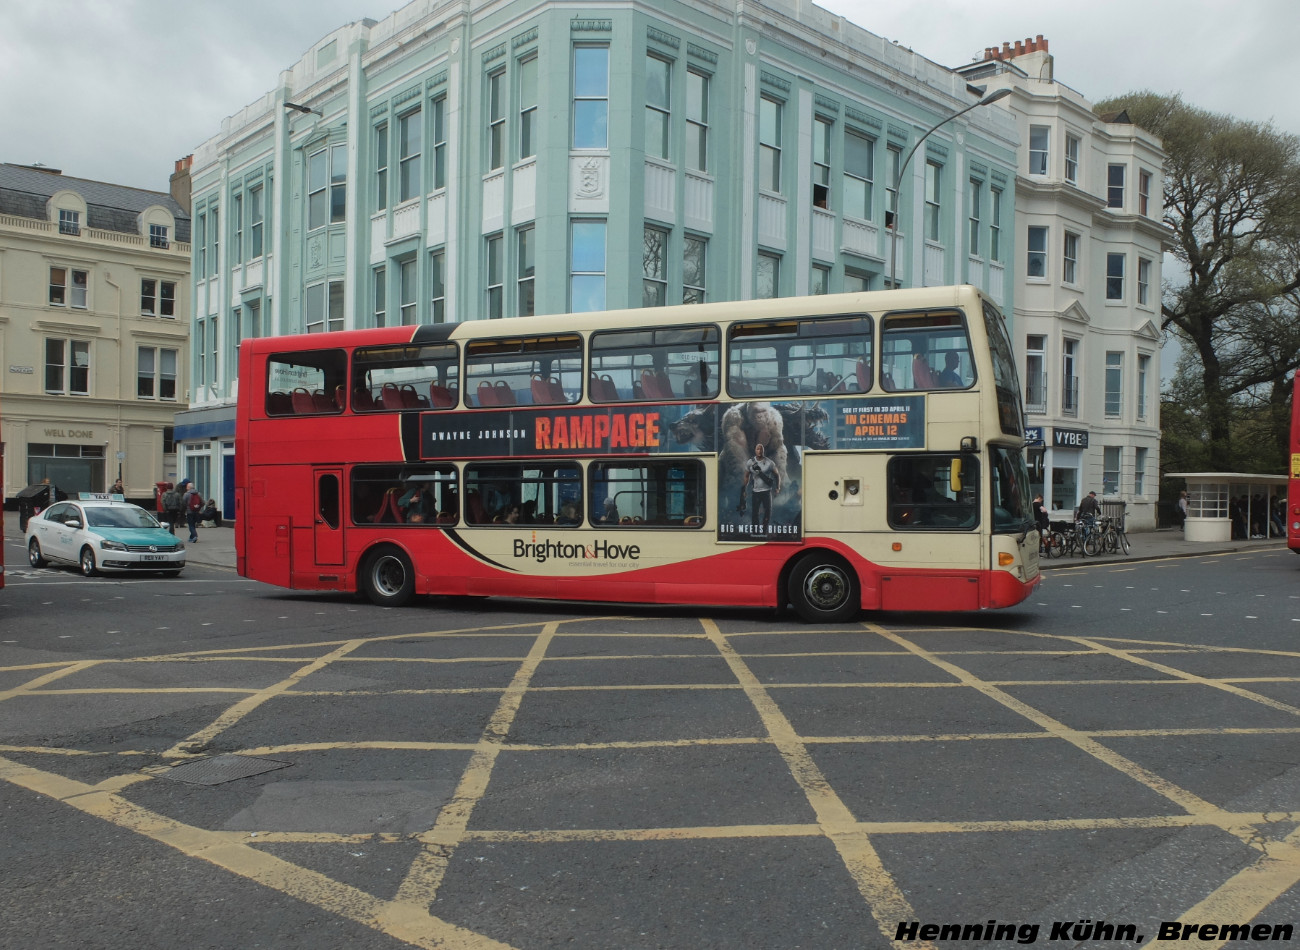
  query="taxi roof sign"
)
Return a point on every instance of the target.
[{"x": 100, "y": 496}]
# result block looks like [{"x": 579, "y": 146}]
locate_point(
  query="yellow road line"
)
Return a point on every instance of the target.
[
  {"x": 226, "y": 850},
  {"x": 246, "y": 706},
  {"x": 877, "y": 886},
  {"x": 1194, "y": 678},
  {"x": 1194, "y": 804},
  {"x": 40, "y": 681},
  {"x": 420, "y": 886},
  {"x": 1249, "y": 892}
]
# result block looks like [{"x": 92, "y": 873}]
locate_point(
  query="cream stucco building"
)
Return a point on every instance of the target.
[{"x": 94, "y": 329}]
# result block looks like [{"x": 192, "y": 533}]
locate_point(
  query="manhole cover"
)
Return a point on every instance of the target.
[{"x": 221, "y": 768}]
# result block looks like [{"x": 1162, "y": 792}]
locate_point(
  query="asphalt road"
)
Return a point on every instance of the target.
[{"x": 209, "y": 762}]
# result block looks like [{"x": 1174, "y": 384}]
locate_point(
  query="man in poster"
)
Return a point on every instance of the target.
[{"x": 763, "y": 479}]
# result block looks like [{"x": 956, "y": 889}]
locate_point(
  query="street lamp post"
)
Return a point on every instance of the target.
[{"x": 898, "y": 177}]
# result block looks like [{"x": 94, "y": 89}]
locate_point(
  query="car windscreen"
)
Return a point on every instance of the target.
[{"x": 119, "y": 518}]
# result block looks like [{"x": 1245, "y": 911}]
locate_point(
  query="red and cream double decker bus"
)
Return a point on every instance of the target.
[{"x": 835, "y": 453}]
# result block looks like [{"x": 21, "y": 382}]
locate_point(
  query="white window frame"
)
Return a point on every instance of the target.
[
  {"x": 592, "y": 102},
  {"x": 1036, "y": 254},
  {"x": 528, "y": 128},
  {"x": 438, "y": 285},
  {"x": 693, "y": 282},
  {"x": 155, "y": 375},
  {"x": 379, "y": 299},
  {"x": 408, "y": 292},
  {"x": 658, "y": 115},
  {"x": 256, "y": 210},
  {"x": 1115, "y": 267},
  {"x": 768, "y": 271},
  {"x": 976, "y": 200},
  {"x": 933, "y": 201},
  {"x": 591, "y": 271},
  {"x": 410, "y": 148},
  {"x": 1114, "y": 389},
  {"x": 859, "y": 180},
  {"x": 381, "y": 166},
  {"x": 74, "y": 359},
  {"x": 526, "y": 270},
  {"x": 1040, "y": 139},
  {"x": 1112, "y": 462},
  {"x": 823, "y": 128},
  {"x": 494, "y": 269},
  {"x": 1115, "y": 191},
  {"x": 1070, "y": 258},
  {"x": 1144, "y": 282},
  {"x": 495, "y": 97},
  {"x": 1143, "y": 381},
  {"x": 697, "y": 120},
  {"x": 75, "y": 294},
  {"x": 1072, "y": 146},
  {"x": 770, "y": 117},
  {"x": 155, "y": 301},
  {"x": 654, "y": 266}
]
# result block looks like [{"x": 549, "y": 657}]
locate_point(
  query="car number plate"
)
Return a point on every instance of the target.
[{"x": 153, "y": 557}]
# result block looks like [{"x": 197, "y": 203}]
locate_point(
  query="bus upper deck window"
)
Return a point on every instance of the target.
[
  {"x": 308, "y": 382},
  {"x": 925, "y": 351},
  {"x": 654, "y": 364},
  {"x": 810, "y": 356}
]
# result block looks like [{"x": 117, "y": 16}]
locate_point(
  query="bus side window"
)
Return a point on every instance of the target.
[
  {"x": 654, "y": 364},
  {"x": 925, "y": 350},
  {"x": 813, "y": 355}
]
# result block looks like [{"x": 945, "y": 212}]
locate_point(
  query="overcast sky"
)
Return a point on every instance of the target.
[{"x": 117, "y": 90}]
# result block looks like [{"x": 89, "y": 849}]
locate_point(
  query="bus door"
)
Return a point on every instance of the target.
[{"x": 328, "y": 528}]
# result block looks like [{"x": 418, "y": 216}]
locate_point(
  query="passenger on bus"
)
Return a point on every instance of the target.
[
  {"x": 610, "y": 514},
  {"x": 950, "y": 378},
  {"x": 417, "y": 504}
]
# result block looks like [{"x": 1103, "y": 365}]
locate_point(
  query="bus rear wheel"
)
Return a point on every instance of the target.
[
  {"x": 387, "y": 577},
  {"x": 823, "y": 589}
]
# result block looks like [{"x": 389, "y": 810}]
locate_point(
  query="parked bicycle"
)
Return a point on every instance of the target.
[{"x": 1111, "y": 536}]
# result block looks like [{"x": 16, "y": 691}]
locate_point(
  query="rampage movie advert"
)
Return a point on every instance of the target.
[{"x": 760, "y": 445}]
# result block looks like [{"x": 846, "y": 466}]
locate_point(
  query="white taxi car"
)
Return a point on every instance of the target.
[{"x": 100, "y": 532}]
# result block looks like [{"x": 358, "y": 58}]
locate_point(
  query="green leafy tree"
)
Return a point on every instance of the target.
[{"x": 1232, "y": 203}]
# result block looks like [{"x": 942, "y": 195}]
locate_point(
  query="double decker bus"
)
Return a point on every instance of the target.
[{"x": 833, "y": 453}]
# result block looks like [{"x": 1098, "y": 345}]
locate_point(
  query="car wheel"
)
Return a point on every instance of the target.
[
  {"x": 34, "y": 554},
  {"x": 88, "y": 566},
  {"x": 387, "y": 577},
  {"x": 823, "y": 589}
]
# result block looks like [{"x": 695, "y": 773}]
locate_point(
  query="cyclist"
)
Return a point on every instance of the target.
[{"x": 1043, "y": 522}]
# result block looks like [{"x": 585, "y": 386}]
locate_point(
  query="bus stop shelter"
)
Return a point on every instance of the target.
[{"x": 1210, "y": 497}]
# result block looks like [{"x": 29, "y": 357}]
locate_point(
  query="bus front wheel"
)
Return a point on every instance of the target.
[
  {"x": 823, "y": 589},
  {"x": 388, "y": 578}
]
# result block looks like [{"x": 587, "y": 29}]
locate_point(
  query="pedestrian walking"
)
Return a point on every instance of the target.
[
  {"x": 192, "y": 503},
  {"x": 171, "y": 506}
]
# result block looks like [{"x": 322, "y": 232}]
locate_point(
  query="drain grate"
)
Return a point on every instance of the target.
[{"x": 221, "y": 768}]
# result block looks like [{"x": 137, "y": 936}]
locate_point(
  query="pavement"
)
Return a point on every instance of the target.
[{"x": 216, "y": 548}]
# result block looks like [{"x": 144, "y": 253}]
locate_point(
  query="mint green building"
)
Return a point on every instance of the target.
[{"x": 462, "y": 160}]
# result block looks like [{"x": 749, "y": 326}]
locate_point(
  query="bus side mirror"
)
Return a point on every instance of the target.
[{"x": 954, "y": 475}]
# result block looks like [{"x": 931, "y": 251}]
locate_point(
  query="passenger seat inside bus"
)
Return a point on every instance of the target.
[
  {"x": 363, "y": 400},
  {"x": 922, "y": 375},
  {"x": 388, "y": 512},
  {"x": 441, "y": 397}
]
